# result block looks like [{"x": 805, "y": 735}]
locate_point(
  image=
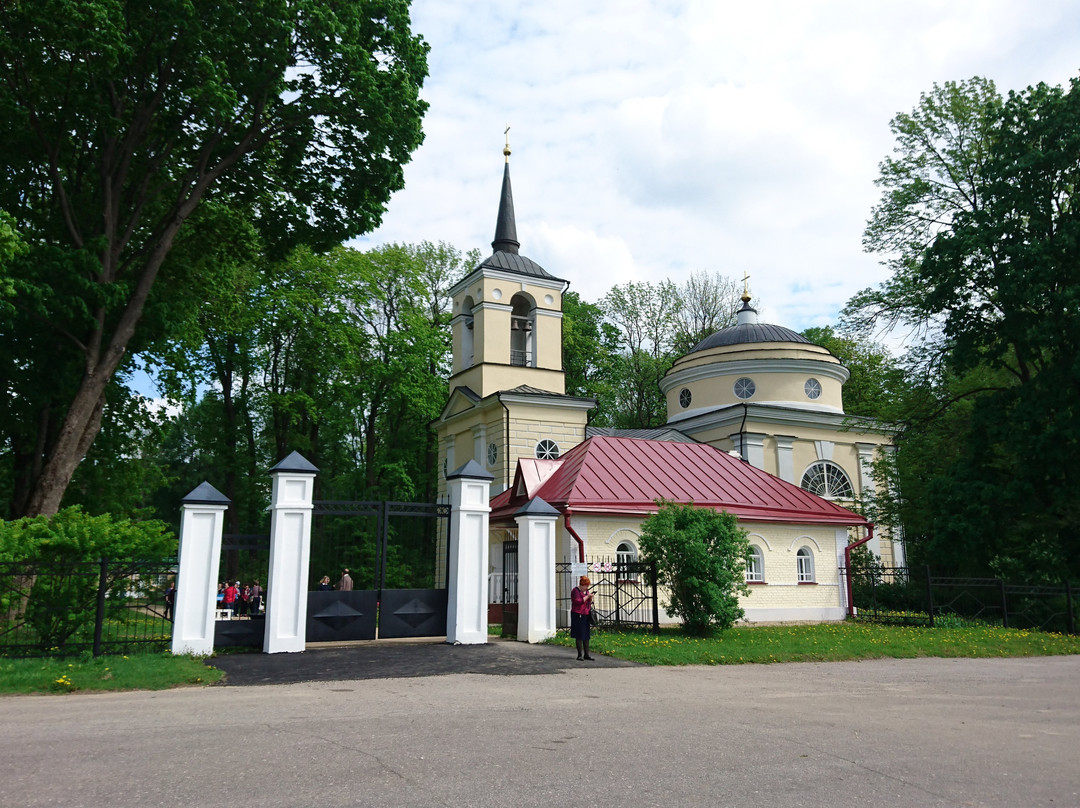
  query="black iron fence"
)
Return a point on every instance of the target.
[
  {"x": 56, "y": 608},
  {"x": 917, "y": 597},
  {"x": 624, "y": 592}
]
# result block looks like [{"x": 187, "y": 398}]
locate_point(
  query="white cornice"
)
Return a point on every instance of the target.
[
  {"x": 554, "y": 400},
  {"x": 750, "y": 367},
  {"x": 485, "y": 304},
  {"x": 509, "y": 277},
  {"x": 733, "y": 416}
]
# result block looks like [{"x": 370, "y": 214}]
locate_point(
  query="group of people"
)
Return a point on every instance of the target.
[
  {"x": 344, "y": 583},
  {"x": 243, "y": 601}
]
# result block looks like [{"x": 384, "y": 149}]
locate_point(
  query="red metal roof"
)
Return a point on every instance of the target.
[{"x": 626, "y": 476}]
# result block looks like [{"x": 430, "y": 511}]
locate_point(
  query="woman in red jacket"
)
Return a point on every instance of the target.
[{"x": 581, "y": 606}]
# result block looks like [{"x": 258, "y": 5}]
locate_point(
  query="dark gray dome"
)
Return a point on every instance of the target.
[
  {"x": 516, "y": 263},
  {"x": 749, "y": 333}
]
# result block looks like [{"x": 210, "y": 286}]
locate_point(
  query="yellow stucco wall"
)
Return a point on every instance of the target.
[{"x": 781, "y": 598}]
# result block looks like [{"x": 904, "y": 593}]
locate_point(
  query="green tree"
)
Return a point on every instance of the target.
[
  {"x": 62, "y": 599},
  {"x": 119, "y": 119},
  {"x": 876, "y": 376},
  {"x": 700, "y": 557},
  {"x": 707, "y": 303},
  {"x": 999, "y": 381},
  {"x": 937, "y": 172},
  {"x": 645, "y": 316},
  {"x": 589, "y": 348}
]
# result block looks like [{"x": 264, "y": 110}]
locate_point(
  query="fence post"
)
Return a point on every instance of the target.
[
  {"x": 291, "y": 506},
  {"x": 1004, "y": 604},
  {"x": 536, "y": 571},
  {"x": 99, "y": 618},
  {"x": 202, "y": 516},
  {"x": 1071, "y": 620},
  {"x": 655, "y": 602},
  {"x": 929, "y": 596},
  {"x": 466, "y": 608}
]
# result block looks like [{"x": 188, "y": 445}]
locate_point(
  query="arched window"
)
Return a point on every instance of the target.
[
  {"x": 827, "y": 480},
  {"x": 755, "y": 565},
  {"x": 467, "y": 334},
  {"x": 522, "y": 350},
  {"x": 626, "y": 553},
  {"x": 805, "y": 560}
]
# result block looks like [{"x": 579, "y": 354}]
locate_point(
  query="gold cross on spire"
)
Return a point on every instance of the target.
[
  {"x": 745, "y": 288},
  {"x": 506, "y": 149}
]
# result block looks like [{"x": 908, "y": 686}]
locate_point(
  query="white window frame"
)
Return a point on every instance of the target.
[
  {"x": 755, "y": 565},
  {"x": 828, "y": 474},
  {"x": 626, "y": 555},
  {"x": 804, "y": 560}
]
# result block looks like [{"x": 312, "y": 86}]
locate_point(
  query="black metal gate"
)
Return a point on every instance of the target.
[{"x": 392, "y": 565}]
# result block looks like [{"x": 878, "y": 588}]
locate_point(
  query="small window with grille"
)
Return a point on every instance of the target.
[{"x": 547, "y": 450}]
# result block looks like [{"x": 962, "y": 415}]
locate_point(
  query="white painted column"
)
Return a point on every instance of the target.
[
  {"x": 751, "y": 447},
  {"x": 536, "y": 571},
  {"x": 466, "y": 610},
  {"x": 290, "y": 550},
  {"x": 785, "y": 458},
  {"x": 202, "y": 520}
]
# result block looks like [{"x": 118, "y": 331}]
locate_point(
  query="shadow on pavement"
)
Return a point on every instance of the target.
[{"x": 389, "y": 659}]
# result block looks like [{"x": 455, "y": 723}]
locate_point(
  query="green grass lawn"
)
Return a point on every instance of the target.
[
  {"x": 136, "y": 671},
  {"x": 825, "y": 642}
]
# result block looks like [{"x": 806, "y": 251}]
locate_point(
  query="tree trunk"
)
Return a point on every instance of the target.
[{"x": 81, "y": 425}]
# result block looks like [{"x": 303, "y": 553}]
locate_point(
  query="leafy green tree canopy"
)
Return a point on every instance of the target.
[
  {"x": 700, "y": 557},
  {"x": 119, "y": 118}
]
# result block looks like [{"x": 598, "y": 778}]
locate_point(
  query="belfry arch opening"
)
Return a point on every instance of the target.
[
  {"x": 467, "y": 334},
  {"x": 522, "y": 322}
]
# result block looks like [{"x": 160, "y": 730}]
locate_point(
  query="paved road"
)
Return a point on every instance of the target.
[{"x": 921, "y": 732}]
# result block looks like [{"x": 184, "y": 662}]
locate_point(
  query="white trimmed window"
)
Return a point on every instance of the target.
[
  {"x": 755, "y": 565},
  {"x": 827, "y": 480},
  {"x": 805, "y": 560},
  {"x": 626, "y": 553}
]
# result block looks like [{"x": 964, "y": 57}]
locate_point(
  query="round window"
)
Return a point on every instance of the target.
[
  {"x": 685, "y": 398},
  {"x": 493, "y": 454},
  {"x": 812, "y": 388},
  {"x": 547, "y": 450},
  {"x": 745, "y": 388}
]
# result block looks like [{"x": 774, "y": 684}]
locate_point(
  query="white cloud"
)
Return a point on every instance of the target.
[{"x": 651, "y": 139}]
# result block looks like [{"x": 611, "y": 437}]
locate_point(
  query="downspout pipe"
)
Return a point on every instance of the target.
[
  {"x": 577, "y": 538},
  {"x": 847, "y": 565}
]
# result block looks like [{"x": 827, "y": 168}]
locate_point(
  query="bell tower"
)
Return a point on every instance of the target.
[
  {"x": 507, "y": 389},
  {"x": 507, "y": 322}
]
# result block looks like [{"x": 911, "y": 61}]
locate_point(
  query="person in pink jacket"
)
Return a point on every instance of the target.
[{"x": 581, "y": 606}]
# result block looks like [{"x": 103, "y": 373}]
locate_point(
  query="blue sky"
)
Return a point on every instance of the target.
[{"x": 652, "y": 139}]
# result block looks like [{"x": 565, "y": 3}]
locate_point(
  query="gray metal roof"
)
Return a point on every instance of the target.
[
  {"x": 749, "y": 333},
  {"x": 657, "y": 433},
  {"x": 518, "y": 264}
]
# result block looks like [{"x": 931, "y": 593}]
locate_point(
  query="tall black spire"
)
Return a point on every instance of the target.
[{"x": 506, "y": 226}]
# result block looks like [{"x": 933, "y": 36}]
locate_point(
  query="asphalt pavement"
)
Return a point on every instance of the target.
[{"x": 529, "y": 726}]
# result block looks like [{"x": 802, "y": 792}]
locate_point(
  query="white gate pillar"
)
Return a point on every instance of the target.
[
  {"x": 466, "y": 610},
  {"x": 536, "y": 571},
  {"x": 202, "y": 520},
  {"x": 290, "y": 550}
]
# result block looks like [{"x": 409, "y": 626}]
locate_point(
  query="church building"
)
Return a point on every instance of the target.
[{"x": 756, "y": 427}]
